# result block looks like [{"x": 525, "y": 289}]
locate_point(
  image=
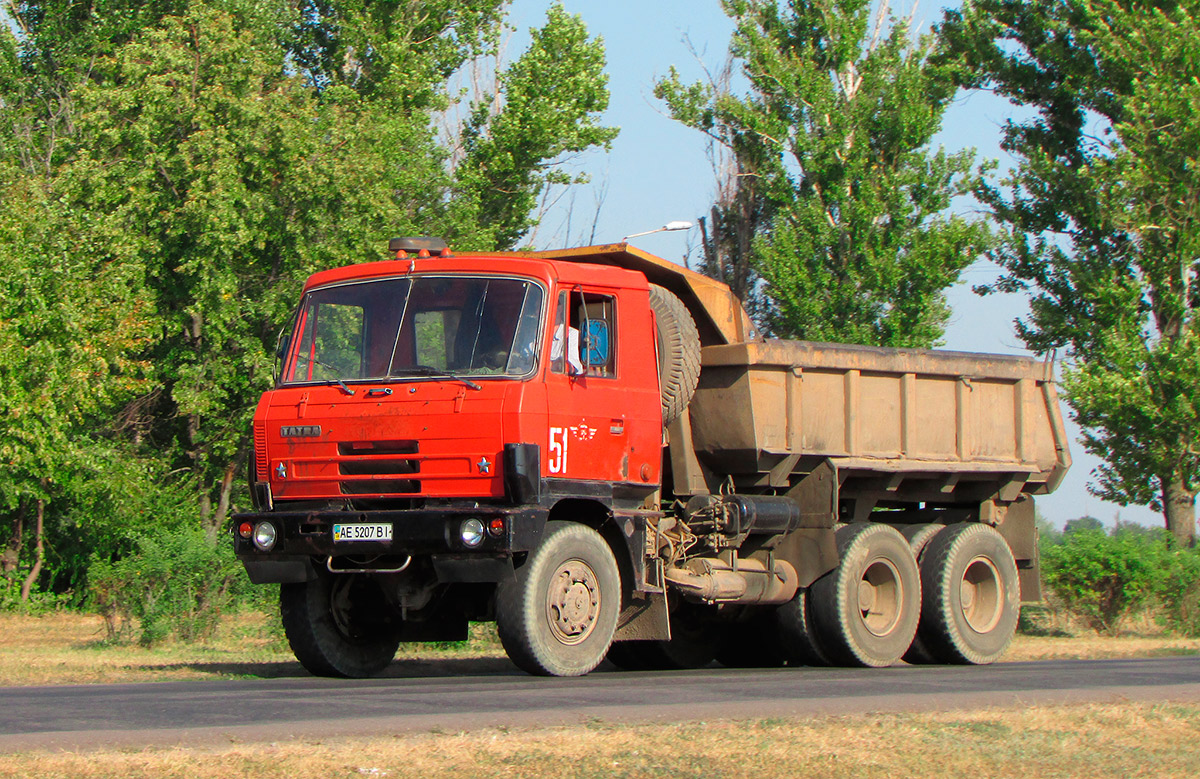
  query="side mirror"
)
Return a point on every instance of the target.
[{"x": 596, "y": 343}]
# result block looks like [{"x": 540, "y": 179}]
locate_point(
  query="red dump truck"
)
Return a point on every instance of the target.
[{"x": 595, "y": 449}]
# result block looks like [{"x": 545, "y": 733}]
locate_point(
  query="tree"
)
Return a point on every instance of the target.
[
  {"x": 1102, "y": 212},
  {"x": 855, "y": 241},
  {"x": 1082, "y": 523},
  {"x": 69, "y": 321},
  {"x": 548, "y": 105},
  {"x": 205, "y": 158}
]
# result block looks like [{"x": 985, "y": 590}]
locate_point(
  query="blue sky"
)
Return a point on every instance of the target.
[{"x": 658, "y": 171}]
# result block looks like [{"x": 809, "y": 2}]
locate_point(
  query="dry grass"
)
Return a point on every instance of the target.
[
  {"x": 70, "y": 648},
  {"x": 1130, "y": 740},
  {"x": 1092, "y": 647}
]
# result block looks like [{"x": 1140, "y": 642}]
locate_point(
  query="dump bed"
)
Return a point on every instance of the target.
[{"x": 900, "y": 425}]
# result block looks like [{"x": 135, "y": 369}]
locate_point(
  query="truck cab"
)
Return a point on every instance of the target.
[{"x": 431, "y": 415}]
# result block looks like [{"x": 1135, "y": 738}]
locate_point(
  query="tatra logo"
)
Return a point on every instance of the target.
[{"x": 300, "y": 431}]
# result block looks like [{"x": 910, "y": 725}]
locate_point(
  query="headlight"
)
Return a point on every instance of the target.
[
  {"x": 471, "y": 532},
  {"x": 264, "y": 536}
]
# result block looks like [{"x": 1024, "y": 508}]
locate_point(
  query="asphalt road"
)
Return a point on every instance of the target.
[{"x": 456, "y": 696}]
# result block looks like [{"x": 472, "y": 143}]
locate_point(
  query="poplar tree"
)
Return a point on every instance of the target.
[
  {"x": 854, "y": 237},
  {"x": 1103, "y": 218}
]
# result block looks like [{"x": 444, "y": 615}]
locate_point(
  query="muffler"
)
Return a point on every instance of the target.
[{"x": 710, "y": 580}]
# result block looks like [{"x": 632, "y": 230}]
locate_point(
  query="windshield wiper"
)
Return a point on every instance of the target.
[
  {"x": 341, "y": 384},
  {"x": 330, "y": 382},
  {"x": 425, "y": 370}
]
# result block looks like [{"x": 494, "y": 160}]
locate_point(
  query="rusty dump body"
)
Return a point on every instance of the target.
[
  {"x": 900, "y": 426},
  {"x": 595, "y": 448}
]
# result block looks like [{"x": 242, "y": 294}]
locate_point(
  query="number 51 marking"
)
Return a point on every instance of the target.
[{"x": 558, "y": 450}]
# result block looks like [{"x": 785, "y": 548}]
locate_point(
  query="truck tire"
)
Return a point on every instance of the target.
[
  {"x": 919, "y": 537},
  {"x": 972, "y": 595},
  {"x": 865, "y": 611},
  {"x": 678, "y": 352},
  {"x": 334, "y": 628},
  {"x": 557, "y": 615},
  {"x": 797, "y": 637}
]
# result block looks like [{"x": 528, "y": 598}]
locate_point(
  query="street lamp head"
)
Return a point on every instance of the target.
[{"x": 669, "y": 227}]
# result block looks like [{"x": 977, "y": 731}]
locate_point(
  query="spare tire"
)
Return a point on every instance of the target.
[{"x": 678, "y": 352}]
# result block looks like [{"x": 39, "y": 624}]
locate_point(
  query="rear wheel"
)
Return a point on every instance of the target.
[
  {"x": 865, "y": 611},
  {"x": 798, "y": 639},
  {"x": 338, "y": 625},
  {"x": 919, "y": 537},
  {"x": 558, "y": 614},
  {"x": 972, "y": 595}
]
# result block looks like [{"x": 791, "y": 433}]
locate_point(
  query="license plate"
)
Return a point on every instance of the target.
[{"x": 362, "y": 532}]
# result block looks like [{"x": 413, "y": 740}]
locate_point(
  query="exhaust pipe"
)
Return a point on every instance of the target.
[{"x": 710, "y": 580}]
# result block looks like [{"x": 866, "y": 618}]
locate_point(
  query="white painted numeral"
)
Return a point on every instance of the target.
[{"x": 558, "y": 450}]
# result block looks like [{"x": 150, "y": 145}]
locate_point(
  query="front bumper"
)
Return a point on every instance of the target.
[{"x": 305, "y": 538}]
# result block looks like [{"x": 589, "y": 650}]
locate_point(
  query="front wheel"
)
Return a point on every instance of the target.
[
  {"x": 558, "y": 614},
  {"x": 337, "y": 625}
]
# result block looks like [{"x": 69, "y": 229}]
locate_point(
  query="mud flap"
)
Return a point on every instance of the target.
[
  {"x": 1019, "y": 528},
  {"x": 644, "y": 619}
]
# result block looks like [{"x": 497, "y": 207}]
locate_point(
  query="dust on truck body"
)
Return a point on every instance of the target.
[{"x": 593, "y": 448}]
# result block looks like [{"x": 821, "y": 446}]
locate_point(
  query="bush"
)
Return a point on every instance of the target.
[
  {"x": 1179, "y": 592},
  {"x": 1105, "y": 578},
  {"x": 38, "y": 603},
  {"x": 176, "y": 583}
]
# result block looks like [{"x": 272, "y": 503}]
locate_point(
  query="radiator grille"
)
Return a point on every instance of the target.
[{"x": 378, "y": 458}]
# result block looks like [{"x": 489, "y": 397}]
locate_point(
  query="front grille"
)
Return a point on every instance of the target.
[
  {"x": 378, "y": 467},
  {"x": 380, "y": 486},
  {"x": 359, "y": 448},
  {"x": 378, "y": 458}
]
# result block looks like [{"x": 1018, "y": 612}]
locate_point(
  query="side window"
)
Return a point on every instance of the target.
[
  {"x": 584, "y": 335},
  {"x": 562, "y": 336},
  {"x": 599, "y": 335}
]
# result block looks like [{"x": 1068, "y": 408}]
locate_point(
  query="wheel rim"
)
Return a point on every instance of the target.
[
  {"x": 880, "y": 595},
  {"x": 573, "y": 602},
  {"x": 980, "y": 595}
]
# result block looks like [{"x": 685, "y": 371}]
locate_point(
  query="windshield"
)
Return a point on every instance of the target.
[{"x": 376, "y": 330}]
